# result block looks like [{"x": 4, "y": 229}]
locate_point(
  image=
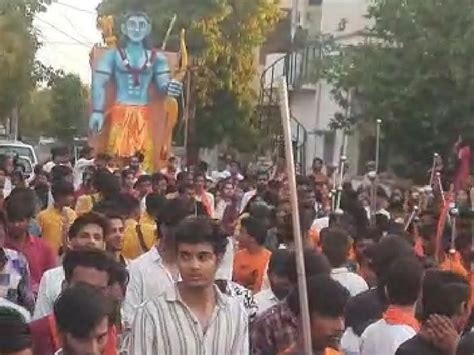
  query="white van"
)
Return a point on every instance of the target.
[{"x": 20, "y": 149}]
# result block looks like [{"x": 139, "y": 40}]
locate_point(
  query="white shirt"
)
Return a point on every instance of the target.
[
  {"x": 49, "y": 289},
  {"x": 384, "y": 339},
  {"x": 265, "y": 299},
  {"x": 149, "y": 278},
  {"x": 7, "y": 304},
  {"x": 350, "y": 342},
  {"x": 49, "y": 166},
  {"x": 246, "y": 198},
  {"x": 320, "y": 223},
  {"x": 79, "y": 168},
  {"x": 166, "y": 326},
  {"x": 220, "y": 175},
  {"x": 226, "y": 267},
  {"x": 354, "y": 283}
]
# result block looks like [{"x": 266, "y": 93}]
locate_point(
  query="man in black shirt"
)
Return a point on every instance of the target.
[{"x": 446, "y": 308}]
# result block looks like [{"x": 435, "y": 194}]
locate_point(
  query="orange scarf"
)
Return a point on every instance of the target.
[
  {"x": 396, "y": 316},
  {"x": 110, "y": 348}
]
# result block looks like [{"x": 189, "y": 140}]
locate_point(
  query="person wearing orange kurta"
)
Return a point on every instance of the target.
[
  {"x": 251, "y": 262},
  {"x": 138, "y": 239},
  {"x": 326, "y": 302},
  {"x": 55, "y": 219}
]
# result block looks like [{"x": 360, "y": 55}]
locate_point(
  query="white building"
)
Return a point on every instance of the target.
[{"x": 312, "y": 104}]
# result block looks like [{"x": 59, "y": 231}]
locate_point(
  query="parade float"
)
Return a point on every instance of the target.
[{"x": 135, "y": 92}]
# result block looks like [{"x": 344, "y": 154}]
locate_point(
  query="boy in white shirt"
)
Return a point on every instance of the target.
[{"x": 398, "y": 323}]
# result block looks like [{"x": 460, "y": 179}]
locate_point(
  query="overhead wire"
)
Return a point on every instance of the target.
[
  {"x": 77, "y": 8},
  {"x": 75, "y": 28},
  {"x": 62, "y": 32}
]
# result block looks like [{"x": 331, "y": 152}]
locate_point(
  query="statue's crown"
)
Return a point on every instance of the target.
[{"x": 129, "y": 14}]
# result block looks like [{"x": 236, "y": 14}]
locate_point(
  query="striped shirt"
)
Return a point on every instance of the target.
[
  {"x": 166, "y": 326},
  {"x": 149, "y": 278}
]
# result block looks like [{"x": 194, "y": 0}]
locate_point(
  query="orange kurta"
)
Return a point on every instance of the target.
[{"x": 249, "y": 269}]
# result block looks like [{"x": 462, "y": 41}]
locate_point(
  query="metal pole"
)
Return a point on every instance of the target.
[
  {"x": 433, "y": 167},
  {"x": 302, "y": 289},
  {"x": 377, "y": 146},
  {"x": 412, "y": 216}
]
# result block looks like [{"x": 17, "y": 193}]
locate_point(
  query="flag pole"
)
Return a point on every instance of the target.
[{"x": 302, "y": 288}]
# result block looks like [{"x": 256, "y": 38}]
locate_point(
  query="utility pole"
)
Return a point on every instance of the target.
[{"x": 294, "y": 18}]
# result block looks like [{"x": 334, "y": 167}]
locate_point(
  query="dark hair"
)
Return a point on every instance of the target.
[
  {"x": 404, "y": 281},
  {"x": 336, "y": 246},
  {"x": 371, "y": 233},
  {"x": 127, "y": 172},
  {"x": 201, "y": 229},
  {"x": 157, "y": 177},
  {"x": 326, "y": 297},
  {"x": 279, "y": 262},
  {"x": 14, "y": 331},
  {"x": 314, "y": 263},
  {"x": 428, "y": 231},
  {"x": 199, "y": 174},
  {"x": 90, "y": 258},
  {"x": 62, "y": 188},
  {"x": 59, "y": 172},
  {"x": 139, "y": 155},
  {"x": 78, "y": 310},
  {"x": 88, "y": 218},
  {"x": 173, "y": 211},
  {"x": 318, "y": 160},
  {"x": 86, "y": 151},
  {"x": 385, "y": 253},
  {"x": 21, "y": 204},
  {"x": 443, "y": 293},
  {"x": 122, "y": 204},
  {"x": 182, "y": 175},
  {"x": 255, "y": 228},
  {"x": 154, "y": 203},
  {"x": 118, "y": 274},
  {"x": 106, "y": 183},
  {"x": 142, "y": 179},
  {"x": 59, "y": 151},
  {"x": 183, "y": 186}
]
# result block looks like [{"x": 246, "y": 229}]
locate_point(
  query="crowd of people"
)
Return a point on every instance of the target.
[{"x": 101, "y": 259}]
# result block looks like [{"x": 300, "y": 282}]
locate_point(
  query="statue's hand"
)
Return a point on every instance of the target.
[
  {"x": 96, "y": 121},
  {"x": 175, "y": 88}
]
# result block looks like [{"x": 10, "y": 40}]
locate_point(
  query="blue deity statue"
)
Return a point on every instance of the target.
[{"x": 126, "y": 126}]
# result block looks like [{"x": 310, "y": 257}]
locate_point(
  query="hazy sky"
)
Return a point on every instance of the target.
[{"x": 68, "y": 32}]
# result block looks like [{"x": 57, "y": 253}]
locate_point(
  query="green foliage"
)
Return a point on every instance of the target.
[
  {"x": 223, "y": 36},
  {"x": 68, "y": 107},
  {"x": 35, "y": 114},
  {"x": 415, "y": 72},
  {"x": 18, "y": 45}
]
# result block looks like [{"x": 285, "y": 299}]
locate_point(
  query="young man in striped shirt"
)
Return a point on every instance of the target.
[{"x": 193, "y": 316}]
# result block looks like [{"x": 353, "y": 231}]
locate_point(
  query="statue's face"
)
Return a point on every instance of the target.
[{"x": 136, "y": 28}]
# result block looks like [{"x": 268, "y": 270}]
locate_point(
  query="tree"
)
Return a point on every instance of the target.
[
  {"x": 223, "y": 36},
  {"x": 35, "y": 114},
  {"x": 18, "y": 45},
  {"x": 68, "y": 107},
  {"x": 415, "y": 71}
]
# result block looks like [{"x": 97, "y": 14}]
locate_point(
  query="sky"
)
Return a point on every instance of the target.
[{"x": 68, "y": 32}]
